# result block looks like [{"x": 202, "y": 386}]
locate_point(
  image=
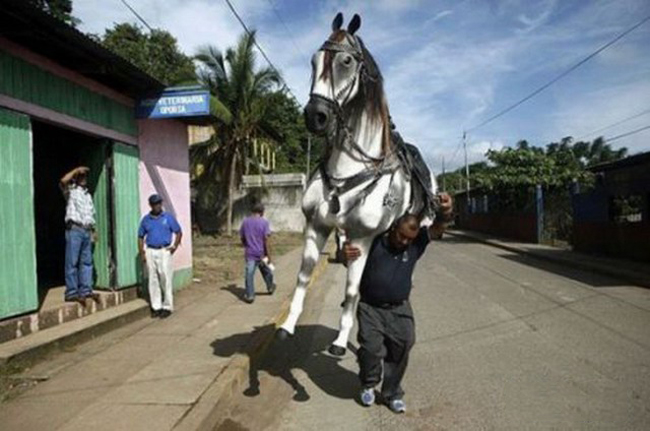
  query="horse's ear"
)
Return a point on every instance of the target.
[
  {"x": 354, "y": 24},
  {"x": 338, "y": 22}
]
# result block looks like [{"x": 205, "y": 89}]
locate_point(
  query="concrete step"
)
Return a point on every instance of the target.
[{"x": 24, "y": 351}]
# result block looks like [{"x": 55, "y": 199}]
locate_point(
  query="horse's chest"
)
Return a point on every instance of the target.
[{"x": 357, "y": 209}]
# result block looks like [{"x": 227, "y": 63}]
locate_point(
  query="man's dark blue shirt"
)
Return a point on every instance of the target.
[{"x": 387, "y": 277}]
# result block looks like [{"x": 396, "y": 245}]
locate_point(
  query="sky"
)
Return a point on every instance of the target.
[{"x": 448, "y": 65}]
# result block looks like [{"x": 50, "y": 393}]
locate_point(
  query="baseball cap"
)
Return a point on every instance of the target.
[{"x": 155, "y": 199}]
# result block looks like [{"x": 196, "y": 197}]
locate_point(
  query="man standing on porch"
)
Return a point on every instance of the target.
[
  {"x": 156, "y": 229},
  {"x": 79, "y": 236}
]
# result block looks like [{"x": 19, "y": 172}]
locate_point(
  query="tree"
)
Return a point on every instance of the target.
[
  {"x": 287, "y": 120},
  {"x": 242, "y": 103},
  {"x": 61, "y": 9},
  {"x": 157, "y": 52}
]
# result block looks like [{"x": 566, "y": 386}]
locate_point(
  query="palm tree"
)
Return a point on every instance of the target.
[{"x": 240, "y": 106}]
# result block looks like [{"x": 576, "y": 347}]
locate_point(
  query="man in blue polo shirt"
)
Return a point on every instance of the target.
[{"x": 156, "y": 229}]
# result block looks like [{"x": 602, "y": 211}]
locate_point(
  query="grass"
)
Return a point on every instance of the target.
[{"x": 218, "y": 259}]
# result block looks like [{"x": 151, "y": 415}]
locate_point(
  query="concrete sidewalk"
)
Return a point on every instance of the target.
[
  {"x": 637, "y": 273},
  {"x": 155, "y": 374}
]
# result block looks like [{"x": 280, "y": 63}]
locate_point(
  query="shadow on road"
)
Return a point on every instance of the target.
[{"x": 306, "y": 351}]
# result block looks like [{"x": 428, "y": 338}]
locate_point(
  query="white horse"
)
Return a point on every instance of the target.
[{"x": 361, "y": 187}]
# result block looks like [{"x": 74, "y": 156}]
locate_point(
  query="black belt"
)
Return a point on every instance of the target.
[
  {"x": 157, "y": 247},
  {"x": 385, "y": 305},
  {"x": 70, "y": 224}
]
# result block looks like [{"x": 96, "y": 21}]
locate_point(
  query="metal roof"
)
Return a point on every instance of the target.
[
  {"x": 28, "y": 26},
  {"x": 637, "y": 159}
]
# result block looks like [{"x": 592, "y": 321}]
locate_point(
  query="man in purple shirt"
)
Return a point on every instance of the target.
[{"x": 254, "y": 233}]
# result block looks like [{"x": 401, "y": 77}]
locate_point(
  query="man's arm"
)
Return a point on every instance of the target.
[
  {"x": 65, "y": 180},
  {"x": 443, "y": 217},
  {"x": 177, "y": 241},
  {"x": 178, "y": 235},
  {"x": 143, "y": 256},
  {"x": 267, "y": 247}
]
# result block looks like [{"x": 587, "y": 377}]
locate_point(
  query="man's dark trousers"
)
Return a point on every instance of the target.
[{"x": 385, "y": 333}]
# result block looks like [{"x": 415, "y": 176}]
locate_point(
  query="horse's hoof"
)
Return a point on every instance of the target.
[
  {"x": 336, "y": 350},
  {"x": 282, "y": 334}
]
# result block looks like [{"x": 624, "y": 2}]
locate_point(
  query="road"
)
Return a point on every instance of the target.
[{"x": 505, "y": 342}]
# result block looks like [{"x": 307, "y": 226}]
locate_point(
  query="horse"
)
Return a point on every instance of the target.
[{"x": 362, "y": 185}]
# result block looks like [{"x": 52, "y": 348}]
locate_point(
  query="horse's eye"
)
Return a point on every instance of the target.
[{"x": 347, "y": 60}]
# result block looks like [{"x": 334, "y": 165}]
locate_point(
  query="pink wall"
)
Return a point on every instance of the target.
[{"x": 164, "y": 169}]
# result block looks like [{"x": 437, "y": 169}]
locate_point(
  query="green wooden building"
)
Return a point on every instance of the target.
[{"x": 65, "y": 101}]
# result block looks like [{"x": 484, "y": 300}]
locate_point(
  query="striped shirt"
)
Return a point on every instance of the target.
[{"x": 80, "y": 208}]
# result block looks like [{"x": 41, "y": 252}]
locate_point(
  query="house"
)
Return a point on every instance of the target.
[
  {"x": 65, "y": 101},
  {"x": 614, "y": 217}
]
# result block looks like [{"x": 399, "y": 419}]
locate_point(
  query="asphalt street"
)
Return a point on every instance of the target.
[{"x": 504, "y": 342}]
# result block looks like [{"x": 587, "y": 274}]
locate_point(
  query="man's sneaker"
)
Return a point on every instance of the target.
[
  {"x": 367, "y": 397},
  {"x": 155, "y": 313},
  {"x": 271, "y": 289},
  {"x": 249, "y": 299},
  {"x": 165, "y": 314},
  {"x": 397, "y": 406}
]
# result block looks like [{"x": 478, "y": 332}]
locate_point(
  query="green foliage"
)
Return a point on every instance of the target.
[
  {"x": 243, "y": 101},
  {"x": 157, "y": 52},
  {"x": 292, "y": 136},
  {"x": 525, "y": 166},
  {"x": 61, "y": 9}
]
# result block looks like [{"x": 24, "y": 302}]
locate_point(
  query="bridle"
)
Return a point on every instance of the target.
[{"x": 343, "y": 137}]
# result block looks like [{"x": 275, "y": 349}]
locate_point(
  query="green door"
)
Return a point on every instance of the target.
[
  {"x": 126, "y": 193},
  {"x": 96, "y": 156},
  {"x": 18, "y": 288}
]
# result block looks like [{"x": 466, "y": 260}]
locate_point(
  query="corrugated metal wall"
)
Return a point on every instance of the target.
[
  {"x": 126, "y": 186},
  {"x": 32, "y": 84},
  {"x": 18, "y": 289},
  {"x": 97, "y": 155}
]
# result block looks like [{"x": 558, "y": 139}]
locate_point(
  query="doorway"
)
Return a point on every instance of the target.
[{"x": 56, "y": 151}]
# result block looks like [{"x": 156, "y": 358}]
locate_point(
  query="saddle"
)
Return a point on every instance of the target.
[{"x": 423, "y": 202}]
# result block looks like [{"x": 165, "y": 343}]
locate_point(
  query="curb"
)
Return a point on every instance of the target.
[
  {"x": 25, "y": 351},
  {"x": 632, "y": 277},
  {"x": 209, "y": 411}
]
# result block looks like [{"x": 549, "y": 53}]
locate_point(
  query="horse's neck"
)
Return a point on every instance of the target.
[{"x": 368, "y": 135}]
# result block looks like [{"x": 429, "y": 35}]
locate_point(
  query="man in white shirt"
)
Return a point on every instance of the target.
[{"x": 79, "y": 236}]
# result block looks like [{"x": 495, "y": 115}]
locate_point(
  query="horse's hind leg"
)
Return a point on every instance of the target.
[
  {"x": 314, "y": 242},
  {"x": 355, "y": 272}
]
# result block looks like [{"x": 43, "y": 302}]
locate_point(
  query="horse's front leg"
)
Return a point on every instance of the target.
[
  {"x": 355, "y": 272},
  {"x": 314, "y": 242}
]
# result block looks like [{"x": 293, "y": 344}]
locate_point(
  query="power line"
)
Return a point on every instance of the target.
[
  {"x": 561, "y": 75},
  {"x": 268, "y": 60},
  {"x": 624, "y": 135},
  {"x": 614, "y": 124},
  {"x": 137, "y": 15},
  {"x": 284, "y": 24}
]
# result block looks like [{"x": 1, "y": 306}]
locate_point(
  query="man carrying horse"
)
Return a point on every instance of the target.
[{"x": 386, "y": 324}]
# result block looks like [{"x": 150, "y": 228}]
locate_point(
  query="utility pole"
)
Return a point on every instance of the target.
[
  {"x": 444, "y": 188},
  {"x": 308, "y": 155},
  {"x": 466, "y": 168}
]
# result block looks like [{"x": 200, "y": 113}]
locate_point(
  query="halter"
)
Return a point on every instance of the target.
[
  {"x": 381, "y": 165},
  {"x": 343, "y": 134}
]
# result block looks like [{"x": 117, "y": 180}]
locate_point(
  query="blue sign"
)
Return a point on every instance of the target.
[{"x": 174, "y": 104}]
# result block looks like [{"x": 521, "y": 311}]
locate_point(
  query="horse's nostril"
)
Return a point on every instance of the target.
[{"x": 321, "y": 118}]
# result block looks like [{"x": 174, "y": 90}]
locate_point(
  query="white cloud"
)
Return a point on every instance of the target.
[{"x": 447, "y": 65}]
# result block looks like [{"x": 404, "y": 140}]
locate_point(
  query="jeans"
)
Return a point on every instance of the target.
[
  {"x": 267, "y": 274},
  {"x": 78, "y": 263}
]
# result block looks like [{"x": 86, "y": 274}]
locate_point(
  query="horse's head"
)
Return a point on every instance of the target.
[{"x": 342, "y": 69}]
